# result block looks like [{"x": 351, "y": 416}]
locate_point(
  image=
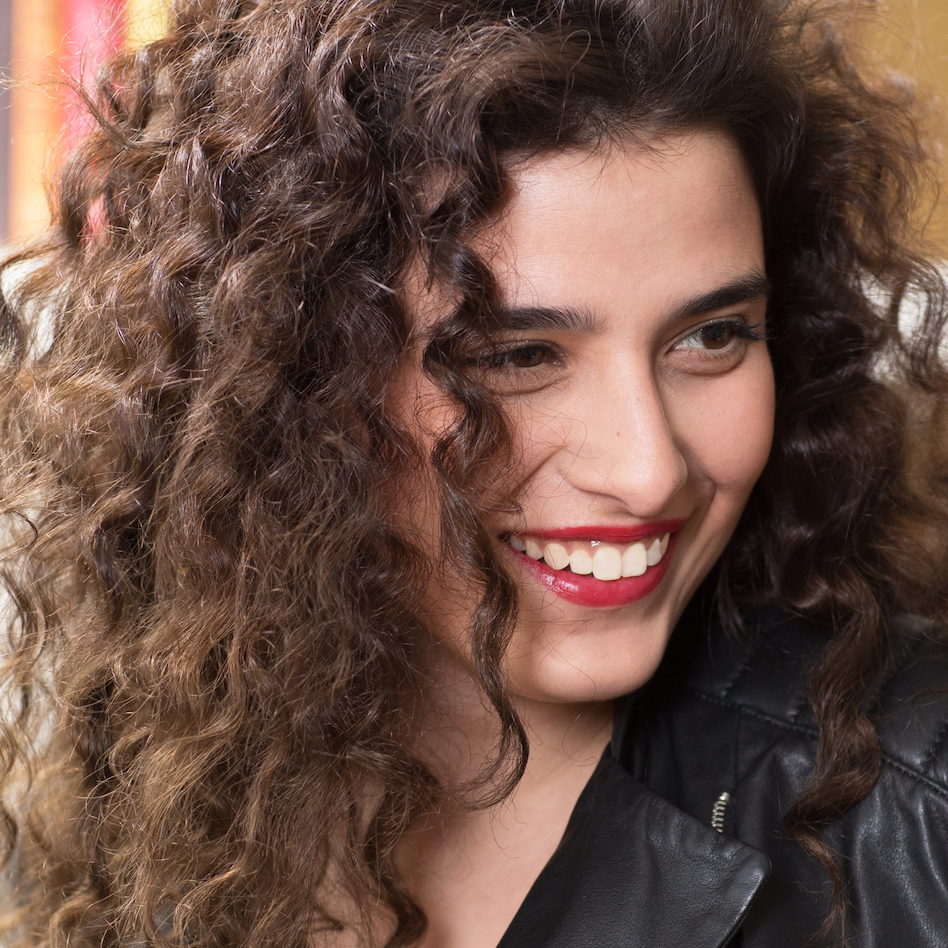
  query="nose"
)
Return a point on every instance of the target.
[{"x": 621, "y": 446}]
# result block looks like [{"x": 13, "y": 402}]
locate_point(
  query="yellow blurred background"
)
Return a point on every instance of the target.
[
  {"x": 36, "y": 118},
  {"x": 908, "y": 36}
]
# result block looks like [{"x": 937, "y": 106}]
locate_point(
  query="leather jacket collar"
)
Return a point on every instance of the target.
[{"x": 633, "y": 871}]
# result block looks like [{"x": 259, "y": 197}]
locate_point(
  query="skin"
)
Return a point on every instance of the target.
[{"x": 652, "y": 406}]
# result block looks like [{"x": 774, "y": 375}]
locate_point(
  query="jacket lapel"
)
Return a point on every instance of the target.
[{"x": 633, "y": 871}]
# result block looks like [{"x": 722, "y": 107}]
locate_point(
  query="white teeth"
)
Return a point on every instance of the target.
[
  {"x": 533, "y": 549},
  {"x": 654, "y": 552},
  {"x": 607, "y": 563},
  {"x": 556, "y": 556},
  {"x": 581, "y": 562},
  {"x": 634, "y": 560}
]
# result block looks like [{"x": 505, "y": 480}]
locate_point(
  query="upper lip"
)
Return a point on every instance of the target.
[{"x": 609, "y": 534}]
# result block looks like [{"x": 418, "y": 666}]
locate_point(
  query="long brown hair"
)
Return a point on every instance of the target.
[{"x": 211, "y": 680}]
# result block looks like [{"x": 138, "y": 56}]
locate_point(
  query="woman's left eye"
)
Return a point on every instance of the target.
[{"x": 719, "y": 335}]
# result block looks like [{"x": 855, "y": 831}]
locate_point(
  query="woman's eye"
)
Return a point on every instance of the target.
[
  {"x": 522, "y": 357},
  {"x": 519, "y": 368},
  {"x": 718, "y": 335}
]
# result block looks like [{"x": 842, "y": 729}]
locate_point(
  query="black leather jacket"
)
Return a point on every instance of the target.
[{"x": 727, "y": 739}]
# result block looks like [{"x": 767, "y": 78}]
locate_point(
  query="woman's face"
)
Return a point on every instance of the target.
[{"x": 640, "y": 397}]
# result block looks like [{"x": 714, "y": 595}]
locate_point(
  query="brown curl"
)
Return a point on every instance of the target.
[{"x": 212, "y": 689}]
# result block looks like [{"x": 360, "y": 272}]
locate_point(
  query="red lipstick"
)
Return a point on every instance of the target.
[
  {"x": 600, "y": 593},
  {"x": 656, "y": 528}
]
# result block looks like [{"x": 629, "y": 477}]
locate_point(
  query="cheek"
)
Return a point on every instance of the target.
[{"x": 729, "y": 433}]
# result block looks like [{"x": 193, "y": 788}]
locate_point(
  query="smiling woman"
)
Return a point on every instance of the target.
[
  {"x": 476, "y": 490},
  {"x": 629, "y": 276}
]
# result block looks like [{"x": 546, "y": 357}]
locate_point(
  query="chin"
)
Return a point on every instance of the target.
[{"x": 577, "y": 669}]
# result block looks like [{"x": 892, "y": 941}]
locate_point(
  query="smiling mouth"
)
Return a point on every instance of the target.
[{"x": 601, "y": 560}]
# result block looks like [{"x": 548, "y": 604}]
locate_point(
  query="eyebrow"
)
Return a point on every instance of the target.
[
  {"x": 753, "y": 286},
  {"x": 546, "y": 317}
]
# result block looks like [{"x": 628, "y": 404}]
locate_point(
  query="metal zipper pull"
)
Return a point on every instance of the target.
[{"x": 717, "y": 814}]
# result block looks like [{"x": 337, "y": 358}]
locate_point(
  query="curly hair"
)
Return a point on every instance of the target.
[{"x": 213, "y": 606}]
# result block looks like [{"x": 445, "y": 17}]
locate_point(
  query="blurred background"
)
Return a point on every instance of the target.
[{"x": 39, "y": 39}]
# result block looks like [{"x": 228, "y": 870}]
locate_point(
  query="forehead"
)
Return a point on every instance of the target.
[
  {"x": 615, "y": 231},
  {"x": 676, "y": 216}
]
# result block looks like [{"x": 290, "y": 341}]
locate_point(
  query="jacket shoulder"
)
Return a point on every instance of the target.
[
  {"x": 726, "y": 734},
  {"x": 909, "y": 704}
]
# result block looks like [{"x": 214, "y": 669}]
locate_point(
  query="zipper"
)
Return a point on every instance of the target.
[{"x": 717, "y": 814}]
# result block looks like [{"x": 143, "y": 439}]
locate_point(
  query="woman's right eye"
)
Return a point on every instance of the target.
[
  {"x": 518, "y": 368},
  {"x": 528, "y": 356}
]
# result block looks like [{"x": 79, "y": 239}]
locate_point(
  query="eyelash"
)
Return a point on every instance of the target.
[
  {"x": 750, "y": 332},
  {"x": 501, "y": 357}
]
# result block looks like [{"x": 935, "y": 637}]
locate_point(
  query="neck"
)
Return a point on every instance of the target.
[
  {"x": 460, "y": 733},
  {"x": 564, "y": 737},
  {"x": 472, "y": 868}
]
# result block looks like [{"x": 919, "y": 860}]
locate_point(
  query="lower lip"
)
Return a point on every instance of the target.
[{"x": 599, "y": 593}]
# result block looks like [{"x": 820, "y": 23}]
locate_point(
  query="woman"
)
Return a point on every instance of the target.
[{"x": 413, "y": 371}]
